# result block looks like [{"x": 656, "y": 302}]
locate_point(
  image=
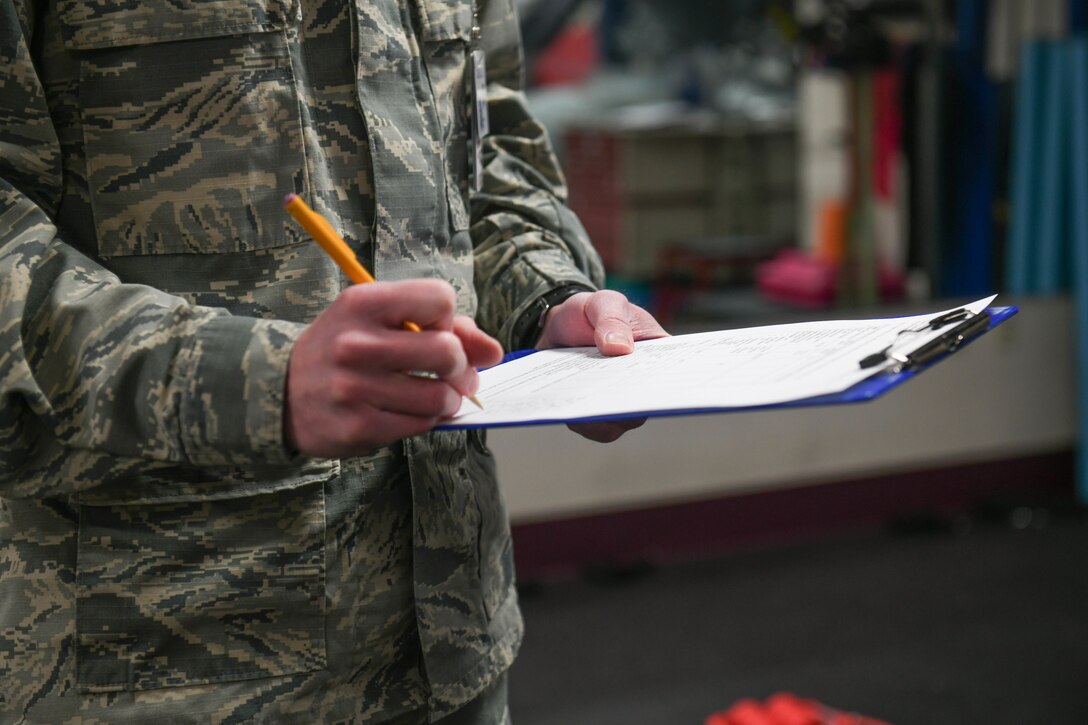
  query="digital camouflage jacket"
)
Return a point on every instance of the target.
[{"x": 163, "y": 557}]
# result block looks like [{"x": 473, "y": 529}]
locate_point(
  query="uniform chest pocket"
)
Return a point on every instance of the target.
[
  {"x": 200, "y": 591},
  {"x": 191, "y": 122}
]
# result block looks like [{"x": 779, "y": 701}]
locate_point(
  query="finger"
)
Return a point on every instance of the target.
[
  {"x": 606, "y": 432},
  {"x": 394, "y": 426},
  {"x": 429, "y": 303},
  {"x": 607, "y": 312},
  {"x": 361, "y": 433},
  {"x": 481, "y": 349},
  {"x": 335, "y": 431},
  {"x": 399, "y": 350},
  {"x": 393, "y": 392}
]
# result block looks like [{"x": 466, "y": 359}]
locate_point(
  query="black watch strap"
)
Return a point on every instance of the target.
[{"x": 531, "y": 323}]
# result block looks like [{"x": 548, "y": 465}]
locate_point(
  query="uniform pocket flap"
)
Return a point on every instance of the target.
[
  {"x": 89, "y": 24},
  {"x": 178, "y": 484},
  {"x": 445, "y": 19}
]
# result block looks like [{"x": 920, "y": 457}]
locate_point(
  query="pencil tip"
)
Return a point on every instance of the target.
[{"x": 476, "y": 401}]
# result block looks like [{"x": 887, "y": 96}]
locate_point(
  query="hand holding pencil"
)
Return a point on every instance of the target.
[{"x": 347, "y": 387}]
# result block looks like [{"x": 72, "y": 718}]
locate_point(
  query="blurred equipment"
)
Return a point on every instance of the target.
[
  {"x": 654, "y": 195},
  {"x": 853, "y": 168}
]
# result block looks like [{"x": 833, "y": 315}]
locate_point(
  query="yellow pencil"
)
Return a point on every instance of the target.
[{"x": 335, "y": 246}]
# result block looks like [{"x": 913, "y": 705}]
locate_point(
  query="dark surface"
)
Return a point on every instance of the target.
[{"x": 979, "y": 622}]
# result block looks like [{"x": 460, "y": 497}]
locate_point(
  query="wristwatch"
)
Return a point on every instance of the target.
[{"x": 530, "y": 325}]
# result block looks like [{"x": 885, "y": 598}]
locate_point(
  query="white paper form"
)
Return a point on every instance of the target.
[{"x": 727, "y": 369}]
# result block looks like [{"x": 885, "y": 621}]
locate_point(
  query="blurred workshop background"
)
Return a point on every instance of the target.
[{"x": 917, "y": 559}]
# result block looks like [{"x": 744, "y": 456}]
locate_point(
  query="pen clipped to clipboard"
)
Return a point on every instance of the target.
[{"x": 968, "y": 324}]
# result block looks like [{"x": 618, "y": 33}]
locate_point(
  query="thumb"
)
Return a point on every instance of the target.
[
  {"x": 607, "y": 313},
  {"x": 614, "y": 338}
]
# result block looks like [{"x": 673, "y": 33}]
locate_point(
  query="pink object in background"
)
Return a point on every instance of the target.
[{"x": 799, "y": 279}]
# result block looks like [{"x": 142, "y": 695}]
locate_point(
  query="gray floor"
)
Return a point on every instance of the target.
[{"x": 988, "y": 626}]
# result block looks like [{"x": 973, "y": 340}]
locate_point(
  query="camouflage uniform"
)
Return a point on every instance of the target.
[{"x": 162, "y": 555}]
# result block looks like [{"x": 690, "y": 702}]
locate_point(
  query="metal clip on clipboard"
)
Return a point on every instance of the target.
[{"x": 970, "y": 325}]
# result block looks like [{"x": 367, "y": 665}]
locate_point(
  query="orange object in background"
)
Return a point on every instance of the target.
[
  {"x": 831, "y": 225},
  {"x": 785, "y": 708}
]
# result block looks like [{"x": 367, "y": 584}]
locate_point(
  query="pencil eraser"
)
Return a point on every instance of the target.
[{"x": 289, "y": 198}]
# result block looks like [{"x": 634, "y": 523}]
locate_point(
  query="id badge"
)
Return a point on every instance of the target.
[{"x": 480, "y": 122}]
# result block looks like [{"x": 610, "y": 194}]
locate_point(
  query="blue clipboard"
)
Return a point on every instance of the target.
[{"x": 866, "y": 390}]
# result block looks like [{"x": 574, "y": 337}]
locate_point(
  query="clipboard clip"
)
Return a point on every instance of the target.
[{"x": 971, "y": 324}]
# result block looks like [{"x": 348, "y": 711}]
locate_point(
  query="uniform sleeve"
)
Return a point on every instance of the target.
[
  {"x": 90, "y": 364},
  {"x": 527, "y": 241}
]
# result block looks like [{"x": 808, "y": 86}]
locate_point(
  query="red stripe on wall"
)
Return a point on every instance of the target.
[{"x": 700, "y": 528}]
